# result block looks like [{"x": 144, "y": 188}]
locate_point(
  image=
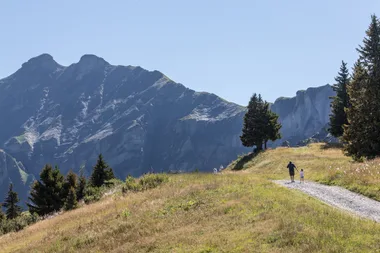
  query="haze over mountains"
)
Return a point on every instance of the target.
[{"x": 139, "y": 120}]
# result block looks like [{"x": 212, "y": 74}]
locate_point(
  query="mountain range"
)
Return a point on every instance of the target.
[{"x": 139, "y": 120}]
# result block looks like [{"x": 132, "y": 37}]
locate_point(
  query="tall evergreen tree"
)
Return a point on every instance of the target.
[
  {"x": 47, "y": 195},
  {"x": 71, "y": 200},
  {"x": 260, "y": 124},
  {"x": 338, "y": 116},
  {"x": 81, "y": 187},
  {"x": 362, "y": 134},
  {"x": 101, "y": 172},
  {"x": 355, "y": 132},
  {"x": 13, "y": 210}
]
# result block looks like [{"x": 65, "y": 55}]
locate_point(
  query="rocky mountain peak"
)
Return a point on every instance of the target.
[
  {"x": 91, "y": 61},
  {"x": 44, "y": 61}
]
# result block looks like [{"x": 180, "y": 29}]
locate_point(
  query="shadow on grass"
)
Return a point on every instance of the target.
[
  {"x": 332, "y": 146},
  {"x": 242, "y": 161}
]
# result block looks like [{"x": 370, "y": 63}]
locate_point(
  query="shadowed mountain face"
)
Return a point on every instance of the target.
[{"x": 138, "y": 119}]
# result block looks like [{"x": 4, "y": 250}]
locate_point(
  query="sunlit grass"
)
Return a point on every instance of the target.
[{"x": 238, "y": 212}]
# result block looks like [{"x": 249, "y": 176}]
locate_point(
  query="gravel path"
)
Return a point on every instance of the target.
[{"x": 338, "y": 197}]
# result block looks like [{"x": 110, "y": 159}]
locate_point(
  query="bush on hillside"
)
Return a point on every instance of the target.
[
  {"x": 146, "y": 182},
  {"x": 20, "y": 222},
  {"x": 93, "y": 194}
]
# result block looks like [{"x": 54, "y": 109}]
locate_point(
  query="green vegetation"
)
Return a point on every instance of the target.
[
  {"x": 146, "y": 182},
  {"x": 229, "y": 212},
  {"x": 260, "y": 124},
  {"x": 338, "y": 116},
  {"x": 13, "y": 210},
  {"x": 101, "y": 173},
  {"x": 356, "y": 105},
  {"x": 18, "y": 223}
]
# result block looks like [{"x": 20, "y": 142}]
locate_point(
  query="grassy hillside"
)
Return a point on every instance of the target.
[
  {"x": 239, "y": 211},
  {"x": 321, "y": 163}
]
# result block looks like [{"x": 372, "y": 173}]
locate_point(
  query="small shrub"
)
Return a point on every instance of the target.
[
  {"x": 14, "y": 225},
  {"x": 93, "y": 194},
  {"x": 126, "y": 213},
  {"x": 150, "y": 181},
  {"x": 131, "y": 185}
]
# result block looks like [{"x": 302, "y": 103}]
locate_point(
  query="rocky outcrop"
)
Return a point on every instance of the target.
[{"x": 305, "y": 114}]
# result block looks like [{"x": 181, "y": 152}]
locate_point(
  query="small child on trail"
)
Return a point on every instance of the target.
[{"x": 302, "y": 176}]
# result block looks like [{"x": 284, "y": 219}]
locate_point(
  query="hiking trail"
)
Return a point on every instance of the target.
[{"x": 338, "y": 197}]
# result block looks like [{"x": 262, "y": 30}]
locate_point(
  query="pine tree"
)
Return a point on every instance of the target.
[
  {"x": 10, "y": 204},
  {"x": 338, "y": 116},
  {"x": 273, "y": 127},
  {"x": 81, "y": 187},
  {"x": 70, "y": 181},
  {"x": 47, "y": 195},
  {"x": 260, "y": 124},
  {"x": 362, "y": 134},
  {"x": 101, "y": 173},
  {"x": 71, "y": 200}
]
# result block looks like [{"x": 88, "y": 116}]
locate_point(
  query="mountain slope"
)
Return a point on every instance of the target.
[
  {"x": 198, "y": 212},
  {"x": 140, "y": 120}
]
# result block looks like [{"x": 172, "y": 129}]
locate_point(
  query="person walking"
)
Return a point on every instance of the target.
[{"x": 291, "y": 166}]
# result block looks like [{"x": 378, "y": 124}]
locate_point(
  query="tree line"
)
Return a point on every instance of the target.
[
  {"x": 355, "y": 114},
  {"x": 54, "y": 191}
]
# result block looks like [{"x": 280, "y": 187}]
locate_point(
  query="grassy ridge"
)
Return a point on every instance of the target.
[
  {"x": 230, "y": 212},
  {"x": 321, "y": 163}
]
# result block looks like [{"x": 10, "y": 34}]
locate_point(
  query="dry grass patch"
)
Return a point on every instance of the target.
[{"x": 201, "y": 213}]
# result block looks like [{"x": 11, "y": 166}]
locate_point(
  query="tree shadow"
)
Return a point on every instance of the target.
[
  {"x": 245, "y": 159},
  {"x": 332, "y": 146}
]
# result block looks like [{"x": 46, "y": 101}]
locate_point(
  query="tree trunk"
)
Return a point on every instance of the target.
[{"x": 265, "y": 145}]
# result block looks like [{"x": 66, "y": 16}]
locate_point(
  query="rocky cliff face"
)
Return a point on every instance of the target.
[
  {"x": 305, "y": 114},
  {"x": 136, "y": 118}
]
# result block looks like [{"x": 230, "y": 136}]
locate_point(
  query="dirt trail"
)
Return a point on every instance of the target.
[{"x": 339, "y": 197}]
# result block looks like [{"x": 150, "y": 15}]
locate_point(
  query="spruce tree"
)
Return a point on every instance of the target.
[
  {"x": 71, "y": 200},
  {"x": 81, "y": 187},
  {"x": 47, "y": 195},
  {"x": 13, "y": 210},
  {"x": 70, "y": 181},
  {"x": 338, "y": 116},
  {"x": 101, "y": 173},
  {"x": 260, "y": 124},
  {"x": 362, "y": 134}
]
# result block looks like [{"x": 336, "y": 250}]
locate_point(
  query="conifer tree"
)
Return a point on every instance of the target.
[
  {"x": 81, "y": 187},
  {"x": 71, "y": 200},
  {"x": 13, "y": 210},
  {"x": 338, "y": 116},
  {"x": 47, "y": 195},
  {"x": 101, "y": 173},
  {"x": 260, "y": 124},
  {"x": 362, "y": 134},
  {"x": 70, "y": 181}
]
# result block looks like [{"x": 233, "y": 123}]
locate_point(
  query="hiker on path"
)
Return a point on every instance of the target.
[{"x": 291, "y": 168}]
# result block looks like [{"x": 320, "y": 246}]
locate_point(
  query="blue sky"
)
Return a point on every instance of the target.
[{"x": 230, "y": 48}]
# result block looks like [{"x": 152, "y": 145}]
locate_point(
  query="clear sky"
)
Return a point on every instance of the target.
[{"x": 230, "y": 48}]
